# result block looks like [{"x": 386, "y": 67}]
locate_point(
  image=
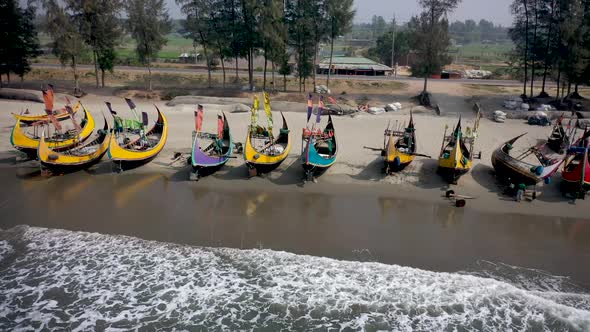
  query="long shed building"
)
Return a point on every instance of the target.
[{"x": 353, "y": 66}]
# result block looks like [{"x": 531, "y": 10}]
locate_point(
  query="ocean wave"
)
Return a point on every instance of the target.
[
  {"x": 5, "y": 249},
  {"x": 81, "y": 281}
]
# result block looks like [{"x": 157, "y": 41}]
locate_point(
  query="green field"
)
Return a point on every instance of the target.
[
  {"x": 175, "y": 46},
  {"x": 484, "y": 53}
]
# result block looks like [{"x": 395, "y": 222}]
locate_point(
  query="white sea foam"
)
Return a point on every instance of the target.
[
  {"x": 5, "y": 249},
  {"x": 80, "y": 281}
]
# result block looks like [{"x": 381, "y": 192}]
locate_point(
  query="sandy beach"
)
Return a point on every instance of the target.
[
  {"x": 148, "y": 247},
  {"x": 356, "y": 167}
]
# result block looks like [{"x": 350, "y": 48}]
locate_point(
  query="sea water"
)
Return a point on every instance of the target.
[{"x": 55, "y": 279}]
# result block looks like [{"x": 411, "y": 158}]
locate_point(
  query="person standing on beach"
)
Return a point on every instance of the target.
[{"x": 521, "y": 192}]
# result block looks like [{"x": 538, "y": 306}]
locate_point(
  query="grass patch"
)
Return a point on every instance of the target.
[{"x": 487, "y": 88}]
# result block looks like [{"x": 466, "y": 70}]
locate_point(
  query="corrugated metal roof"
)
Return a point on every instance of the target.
[{"x": 353, "y": 63}]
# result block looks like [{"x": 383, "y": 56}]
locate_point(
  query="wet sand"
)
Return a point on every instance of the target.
[{"x": 340, "y": 221}]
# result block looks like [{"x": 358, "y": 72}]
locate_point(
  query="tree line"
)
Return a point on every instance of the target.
[
  {"x": 18, "y": 39},
  {"x": 552, "y": 40},
  {"x": 275, "y": 29},
  {"x": 226, "y": 30}
]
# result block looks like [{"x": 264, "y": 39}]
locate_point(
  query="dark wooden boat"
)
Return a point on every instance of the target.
[{"x": 516, "y": 170}]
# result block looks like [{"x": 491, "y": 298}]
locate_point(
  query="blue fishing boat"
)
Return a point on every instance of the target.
[{"x": 319, "y": 147}]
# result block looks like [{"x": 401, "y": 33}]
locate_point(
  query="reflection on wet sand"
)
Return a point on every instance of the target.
[
  {"x": 339, "y": 224},
  {"x": 127, "y": 192}
]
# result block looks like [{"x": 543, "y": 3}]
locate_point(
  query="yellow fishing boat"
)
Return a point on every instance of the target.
[
  {"x": 26, "y": 138},
  {"x": 28, "y": 119},
  {"x": 263, "y": 151},
  {"x": 80, "y": 157},
  {"x": 456, "y": 155},
  {"x": 400, "y": 148},
  {"x": 128, "y": 149}
]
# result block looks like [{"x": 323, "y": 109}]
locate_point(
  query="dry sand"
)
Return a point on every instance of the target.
[{"x": 357, "y": 169}]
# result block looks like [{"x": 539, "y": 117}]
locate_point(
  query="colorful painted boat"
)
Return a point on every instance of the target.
[
  {"x": 210, "y": 150},
  {"x": 56, "y": 115},
  {"x": 263, "y": 152},
  {"x": 516, "y": 170},
  {"x": 129, "y": 149},
  {"x": 77, "y": 158},
  {"x": 576, "y": 170},
  {"x": 456, "y": 155},
  {"x": 400, "y": 148},
  {"x": 60, "y": 115},
  {"x": 26, "y": 138},
  {"x": 319, "y": 148}
]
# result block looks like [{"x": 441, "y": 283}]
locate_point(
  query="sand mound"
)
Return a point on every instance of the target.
[{"x": 17, "y": 94}]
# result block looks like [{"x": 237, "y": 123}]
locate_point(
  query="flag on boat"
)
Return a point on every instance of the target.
[
  {"x": 320, "y": 109},
  {"x": 267, "y": 110},
  {"x": 144, "y": 119},
  {"x": 254, "y": 115},
  {"x": 220, "y": 127},
  {"x": 309, "y": 107},
  {"x": 48, "y": 100},
  {"x": 110, "y": 107},
  {"x": 71, "y": 113},
  {"x": 199, "y": 118},
  {"x": 130, "y": 103}
]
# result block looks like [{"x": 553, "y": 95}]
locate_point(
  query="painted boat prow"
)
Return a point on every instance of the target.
[
  {"x": 29, "y": 145},
  {"x": 120, "y": 154}
]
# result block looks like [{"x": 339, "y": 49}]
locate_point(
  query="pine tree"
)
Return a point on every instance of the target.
[
  {"x": 98, "y": 23},
  {"x": 430, "y": 32},
  {"x": 148, "y": 23},
  {"x": 18, "y": 39},
  {"x": 199, "y": 26},
  {"x": 339, "y": 21},
  {"x": 66, "y": 41}
]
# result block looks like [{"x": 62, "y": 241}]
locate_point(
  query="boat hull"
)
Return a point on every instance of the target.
[
  {"x": 396, "y": 166},
  {"x": 59, "y": 163},
  {"x": 260, "y": 163},
  {"x": 575, "y": 189},
  {"x": 125, "y": 159},
  {"x": 451, "y": 175},
  {"x": 204, "y": 164},
  {"x": 29, "y": 145},
  {"x": 506, "y": 172},
  {"x": 71, "y": 168},
  {"x": 264, "y": 168},
  {"x": 314, "y": 170}
]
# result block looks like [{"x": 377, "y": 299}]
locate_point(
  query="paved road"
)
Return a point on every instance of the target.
[{"x": 259, "y": 74}]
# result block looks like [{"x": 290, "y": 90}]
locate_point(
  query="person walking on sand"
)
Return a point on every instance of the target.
[{"x": 520, "y": 193}]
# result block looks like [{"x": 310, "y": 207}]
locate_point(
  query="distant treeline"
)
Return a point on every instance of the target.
[
  {"x": 462, "y": 32},
  {"x": 552, "y": 40},
  {"x": 472, "y": 32}
]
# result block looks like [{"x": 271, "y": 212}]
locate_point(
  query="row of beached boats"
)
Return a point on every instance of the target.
[{"x": 131, "y": 143}]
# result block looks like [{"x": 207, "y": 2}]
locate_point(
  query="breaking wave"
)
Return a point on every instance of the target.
[{"x": 81, "y": 281}]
